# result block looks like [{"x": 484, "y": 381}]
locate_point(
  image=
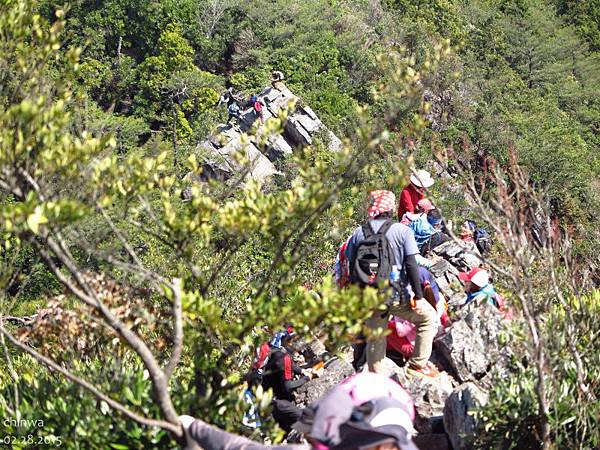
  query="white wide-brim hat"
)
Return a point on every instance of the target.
[{"x": 421, "y": 178}]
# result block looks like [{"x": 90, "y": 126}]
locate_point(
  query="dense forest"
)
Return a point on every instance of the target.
[{"x": 154, "y": 301}]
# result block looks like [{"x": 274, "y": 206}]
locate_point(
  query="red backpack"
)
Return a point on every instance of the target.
[{"x": 258, "y": 106}]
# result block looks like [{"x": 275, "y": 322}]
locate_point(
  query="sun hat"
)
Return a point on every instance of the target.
[
  {"x": 425, "y": 204},
  {"x": 477, "y": 276},
  {"x": 375, "y": 423},
  {"x": 421, "y": 178}
]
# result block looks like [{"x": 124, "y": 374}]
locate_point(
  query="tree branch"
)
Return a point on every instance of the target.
[{"x": 175, "y": 429}]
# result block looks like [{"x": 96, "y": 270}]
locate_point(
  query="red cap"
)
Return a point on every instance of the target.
[{"x": 477, "y": 276}]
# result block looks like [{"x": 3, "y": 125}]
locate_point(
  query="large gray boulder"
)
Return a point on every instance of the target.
[
  {"x": 462, "y": 255},
  {"x": 470, "y": 346},
  {"x": 335, "y": 371},
  {"x": 459, "y": 421},
  {"x": 233, "y": 159},
  {"x": 429, "y": 395}
]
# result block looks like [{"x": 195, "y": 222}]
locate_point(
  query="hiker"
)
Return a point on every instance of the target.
[
  {"x": 234, "y": 111},
  {"x": 252, "y": 100},
  {"x": 366, "y": 411},
  {"x": 478, "y": 286},
  {"x": 415, "y": 191},
  {"x": 278, "y": 375},
  {"x": 342, "y": 270},
  {"x": 258, "y": 110},
  {"x": 402, "y": 332},
  {"x": 356, "y": 401},
  {"x": 378, "y": 250},
  {"x": 277, "y": 79},
  {"x": 467, "y": 231},
  {"x": 438, "y": 236}
]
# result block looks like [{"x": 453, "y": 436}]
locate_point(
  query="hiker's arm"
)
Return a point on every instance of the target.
[
  {"x": 212, "y": 438},
  {"x": 290, "y": 385},
  {"x": 351, "y": 248},
  {"x": 412, "y": 272},
  {"x": 297, "y": 369},
  {"x": 405, "y": 203}
]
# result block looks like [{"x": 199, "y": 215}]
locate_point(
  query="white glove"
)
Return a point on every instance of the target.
[{"x": 186, "y": 421}]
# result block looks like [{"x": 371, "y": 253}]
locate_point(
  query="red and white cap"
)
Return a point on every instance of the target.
[{"x": 477, "y": 276}]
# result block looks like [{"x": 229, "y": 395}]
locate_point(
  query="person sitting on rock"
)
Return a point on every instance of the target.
[
  {"x": 277, "y": 79},
  {"x": 278, "y": 375},
  {"x": 400, "y": 252},
  {"x": 478, "y": 286},
  {"x": 414, "y": 192},
  {"x": 438, "y": 237},
  {"x": 467, "y": 231}
]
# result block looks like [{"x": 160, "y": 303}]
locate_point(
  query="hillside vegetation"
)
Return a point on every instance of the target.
[{"x": 158, "y": 303}]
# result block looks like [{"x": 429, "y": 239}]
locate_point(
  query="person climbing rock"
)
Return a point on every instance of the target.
[
  {"x": 278, "y": 375},
  {"x": 234, "y": 111},
  {"x": 402, "y": 332},
  {"x": 414, "y": 192},
  {"x": 397, "y": 249}
]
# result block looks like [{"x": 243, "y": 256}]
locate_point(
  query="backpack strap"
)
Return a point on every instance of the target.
[{"x": 368, "y": 232}]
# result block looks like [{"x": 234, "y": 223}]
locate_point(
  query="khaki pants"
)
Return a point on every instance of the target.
[{"x": 423, "y": 316}]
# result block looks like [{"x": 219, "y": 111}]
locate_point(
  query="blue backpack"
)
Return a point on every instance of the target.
[{"x": 422, "y": 230}]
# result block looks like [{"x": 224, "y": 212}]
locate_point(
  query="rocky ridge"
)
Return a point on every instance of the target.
[{"x": 468, "y": 351}]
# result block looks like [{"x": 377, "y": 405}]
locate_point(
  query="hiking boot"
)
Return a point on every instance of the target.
[{"x": 429, "y": 370}]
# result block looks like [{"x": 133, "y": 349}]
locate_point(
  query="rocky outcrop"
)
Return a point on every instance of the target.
[
  {"x": 231, "y": 159},
  {"x": 335, "y": 371},
  {"x": 463, "y": 256},
  {"x": 459, "y": 421},
  {"x": 220, "y": 153},
  {"x": 471, "y": 346}
]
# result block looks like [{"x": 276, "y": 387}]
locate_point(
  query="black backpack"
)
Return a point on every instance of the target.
[
  {"x": 374, "y": 257},
  {"x": 483, "y": 241}
]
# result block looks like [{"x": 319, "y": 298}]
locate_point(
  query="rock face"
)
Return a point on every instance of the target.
[
  {"x": 463, "y": 256},
  {"x": 471, "y": 345},
  {"x": 459, "y": 422},
  {"x": 218, "y": 153},
  {"x": 335, "y": 371},
  {"x": 223, "y": 162},
  {"x": 429, "y": 395}
]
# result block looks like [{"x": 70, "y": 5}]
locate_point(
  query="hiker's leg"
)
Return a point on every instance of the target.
[
  {"x": 286, "y": 413},
  {"x": 359, "y": 354},
  {"x": 425, "y": 319},
  {"x": 376, "y": 347}
]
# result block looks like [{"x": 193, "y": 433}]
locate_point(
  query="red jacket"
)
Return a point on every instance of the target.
[{"x": 408, "y": 200}]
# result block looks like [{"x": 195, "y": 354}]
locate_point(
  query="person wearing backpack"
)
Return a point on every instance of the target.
[
  {"x": 278, "y": 375},
  {"x": 438, "y": 237},
  {"x": 381, "y": 248},
  {"x": 258, "y": 110},
  {"x": 234, "y": 111}
]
